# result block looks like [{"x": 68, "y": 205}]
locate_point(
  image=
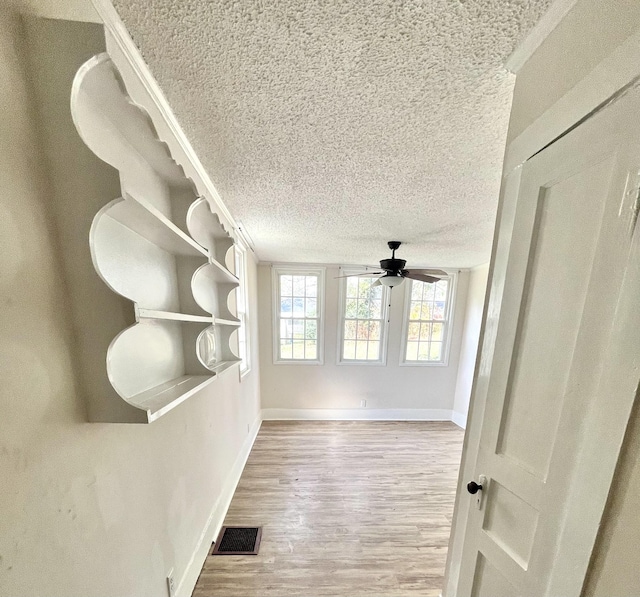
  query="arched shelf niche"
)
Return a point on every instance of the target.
[{"x": 143, "y": 247}]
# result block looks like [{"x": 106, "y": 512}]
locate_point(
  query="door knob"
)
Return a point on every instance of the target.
[{"x": 473, "y": 487}]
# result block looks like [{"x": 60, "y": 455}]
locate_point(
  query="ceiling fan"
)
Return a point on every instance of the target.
[{"x": 393, "y": 272}]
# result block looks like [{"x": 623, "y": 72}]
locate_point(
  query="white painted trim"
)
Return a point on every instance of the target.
[
  {"x": 617, "y": 70},
  {"x": 356, "y": 414},
  {"x": 216, "y": 518},
  {"x": 460, "y": 419},
  {"x": 300, "y": 270},
  {"x": 384, "y": 328},
  {"x": 549, "y": 21},
  {"x": 450, "y": 307},
  {"x": 127, "y": 46}
]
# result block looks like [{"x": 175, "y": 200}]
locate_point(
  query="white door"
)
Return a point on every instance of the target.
[{"x": 564, "y": 362}]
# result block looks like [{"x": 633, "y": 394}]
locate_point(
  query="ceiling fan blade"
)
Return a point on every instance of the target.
[
  {"x": 363, "y": 274},
  {"x": 426, "y": 272},
  {"x": 376, "y": 283},
  {"x": 421, "y": 277}
]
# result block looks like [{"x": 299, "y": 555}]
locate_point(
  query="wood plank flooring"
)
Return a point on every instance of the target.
[{"x": 347, "y": 509}]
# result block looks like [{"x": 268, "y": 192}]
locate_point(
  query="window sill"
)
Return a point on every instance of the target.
[
  {"x": 365, "y": 363},
  {"x": 423, "y": 364},
  {"x": 297, "y": 362}
]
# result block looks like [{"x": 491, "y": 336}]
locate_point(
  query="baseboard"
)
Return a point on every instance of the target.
[
  {"x": 459, "y": 419},
  {"x": 216, "y": 518},
  {"x": 356, "y": 414}
]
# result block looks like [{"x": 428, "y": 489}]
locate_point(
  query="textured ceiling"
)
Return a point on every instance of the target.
[{"x": 330, "y": 127}]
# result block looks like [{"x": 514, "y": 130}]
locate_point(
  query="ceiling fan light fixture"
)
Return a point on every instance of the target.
[{"x": 391, "y": 280}]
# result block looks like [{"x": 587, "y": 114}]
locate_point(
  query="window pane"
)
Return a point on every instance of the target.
[
  {"x": 438, "y": 328},
  {"x": 351, "y": 310},
  {"x": 441, "y": 290},
  {"x": 429, "y": 290},
  {"x": 423, "y": 351},
  {"x": 312, "y": 286},
  {"x": 286, "y": 307},
  {"x": 438, "y": 310},
  {"x": 376, "y": 293},
  {"x": 311, "y": 349},
  {"x": 363, "y": 309},
  {"x": 364, "y": 285},
  {"x": 413, "y": 333},
  {"x": 425, "y": 331},
  {"x": 311, "y": 307},
  {"x": 349, "y": 351},
  {"x": 425, "y": 311},
  {"x": 299, "y": 283},
  {"x": 298, "y": 349},
  {"x": 298, "y": 307},
  {"x": 352, "y": 287},
  {"x": 298, "y": 329},
  {"x": 416, "y": 290},
  {"x": 361, "y": 350},
  {"x": 375, "y": 310},
  {"x": 435, "y": 351},
  {"x": 286, "y": 329},
  {"x": 285, "y": 285},
  {"x": 374, "y": 330},
  {"x": 350, "y": 330},
  {"x": 363, "y": 330},
  {"x": 311, "y": 330},
  {"x": 374, "y": 351},
  {"x": 412, "y": 351},
  {"x": 286, "y": 351},
  {"x": 416, "y": 308}
]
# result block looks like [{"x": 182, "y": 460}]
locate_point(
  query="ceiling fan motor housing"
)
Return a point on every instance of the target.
[{"x": 393, "y": 265}]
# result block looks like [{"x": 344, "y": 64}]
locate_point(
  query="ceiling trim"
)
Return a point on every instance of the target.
[
  {"x": 549, "y": 21},
  {"x": 118, "y": 30}
]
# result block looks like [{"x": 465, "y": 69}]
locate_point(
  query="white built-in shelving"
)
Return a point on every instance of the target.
[{"x": 161, "y": 247}]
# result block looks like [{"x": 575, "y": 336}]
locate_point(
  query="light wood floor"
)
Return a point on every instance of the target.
[{"x": 347, "y": 509}]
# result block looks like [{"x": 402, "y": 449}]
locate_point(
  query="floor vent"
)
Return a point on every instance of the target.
[{"x": 238, "y": 541}]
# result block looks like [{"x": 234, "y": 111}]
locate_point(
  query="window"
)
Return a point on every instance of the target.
[
  {"x": 242, "y": 307},
  {"x": 363, "y": 321},
  {"x": 298, "y": 314},
  {"x": 427, "y": 322}
]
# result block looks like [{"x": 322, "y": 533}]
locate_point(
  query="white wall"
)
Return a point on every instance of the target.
[
  {"x": 469, "y": 349},
  {"x": 89, "y": 509},
  {"x": 427, "y": 390}
]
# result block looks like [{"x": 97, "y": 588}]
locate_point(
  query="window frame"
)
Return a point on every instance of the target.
[
  {"x": 240, "y": 256},
  {"x": 276, "y": 272},
  {"x": 449, "y": 317},
  {"x": 384, "y": 328}
]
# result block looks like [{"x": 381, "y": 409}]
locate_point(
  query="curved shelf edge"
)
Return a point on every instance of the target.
[
  {"x": 125, "y": 372},
  {"x": 211, "y": 288},
  {"x": 171, "y": 316},
  {"x": 207, "y": 229},
  {"x": 161, "y": 399},
  {"x": 101, "y": 109}
]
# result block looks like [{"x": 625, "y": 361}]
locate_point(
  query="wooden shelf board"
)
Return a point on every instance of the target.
[
  {"x": 218, "y": 368},
  {"x": 153, "y": 314},
  {"x": 161, "y": 399},
  {"x": 150, "y": 223},
  {"x": 222, "y": 274},
  {"x": 220, "y": 321}
]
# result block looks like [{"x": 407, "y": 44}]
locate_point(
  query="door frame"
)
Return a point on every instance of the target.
[{"x": 617, "y": 71}]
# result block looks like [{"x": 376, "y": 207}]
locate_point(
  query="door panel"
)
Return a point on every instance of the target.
[
  {"x": 489, "y": 581},
  {"x": 575, "y": 209},
  {"x": 564, "y": 240}
]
